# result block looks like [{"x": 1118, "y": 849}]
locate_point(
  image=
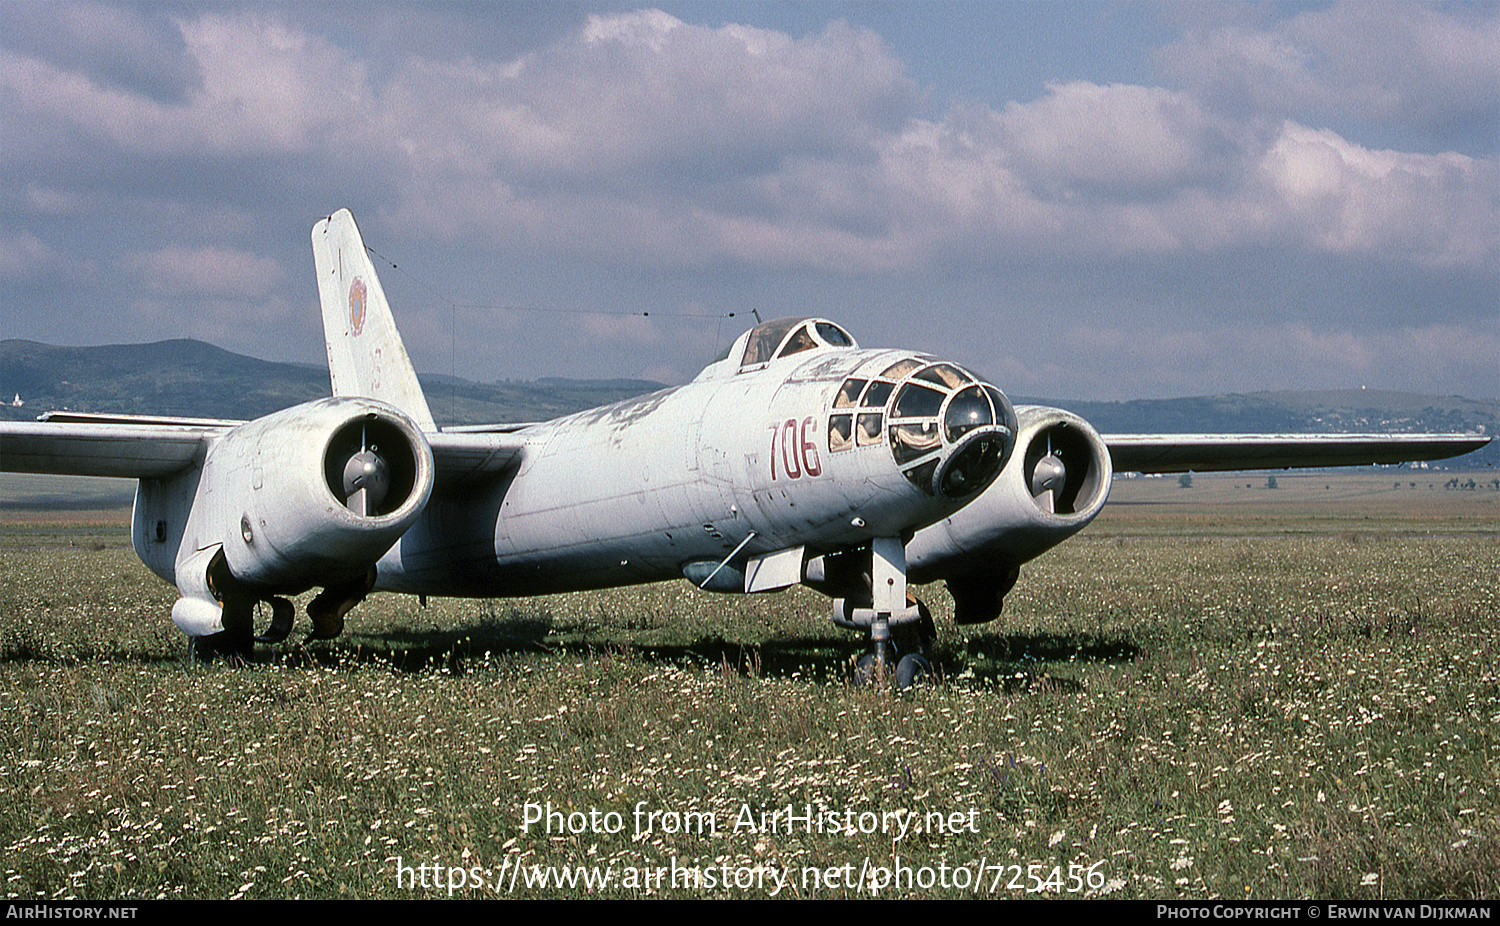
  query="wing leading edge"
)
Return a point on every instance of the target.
[{"x": 1178, "y": 453}]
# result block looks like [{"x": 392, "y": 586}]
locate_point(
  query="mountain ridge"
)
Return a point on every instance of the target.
[{"x": 185, "y": 377}]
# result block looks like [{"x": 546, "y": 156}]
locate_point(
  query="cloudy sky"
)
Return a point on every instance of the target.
[{"x": 1090, "y": 200}]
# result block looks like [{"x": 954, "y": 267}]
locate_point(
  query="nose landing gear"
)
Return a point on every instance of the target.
[
  {"x": 893, "y": 610},
  {"x": 913, "y": 667}
]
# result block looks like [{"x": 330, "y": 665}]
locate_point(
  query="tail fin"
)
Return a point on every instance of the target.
[{"x": 365, "y": 354}]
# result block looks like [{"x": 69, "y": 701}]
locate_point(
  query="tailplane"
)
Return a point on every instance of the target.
[{"x": 365, "y": 355}]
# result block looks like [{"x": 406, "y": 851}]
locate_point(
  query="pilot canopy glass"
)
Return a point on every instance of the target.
[{"x": 784, "y": 337}]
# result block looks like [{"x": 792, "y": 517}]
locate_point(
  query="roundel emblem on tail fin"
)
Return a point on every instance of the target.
[{"x": 356, "y": 305}]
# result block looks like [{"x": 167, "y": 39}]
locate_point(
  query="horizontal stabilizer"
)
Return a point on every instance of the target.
[{"x": 166, "y": 420}]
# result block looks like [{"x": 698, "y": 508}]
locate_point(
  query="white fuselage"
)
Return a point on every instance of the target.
[{"x": 630, "y": 492}]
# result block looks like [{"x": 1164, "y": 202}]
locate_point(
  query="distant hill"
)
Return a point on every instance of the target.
[
  {"x": 191, "y": 378},
  {"x": 1341, "y": 410}
]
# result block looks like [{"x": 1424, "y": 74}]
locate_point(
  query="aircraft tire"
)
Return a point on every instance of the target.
[
  {"x": 868, "y": 671},
  {"x": 913, "y": 669},
  {"x": 233, "y": 648},
  {"x": 235, "y": 643},
  {"x": 282, "y": 614}
]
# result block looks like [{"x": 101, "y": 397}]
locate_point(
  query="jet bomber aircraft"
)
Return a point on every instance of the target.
[{"x": 797, "y": 457}]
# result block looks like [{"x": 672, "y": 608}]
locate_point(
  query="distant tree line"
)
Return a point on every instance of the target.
[{"x": 1469, "y": 484}]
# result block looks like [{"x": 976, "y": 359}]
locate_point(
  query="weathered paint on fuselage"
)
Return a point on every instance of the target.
[{"x": 628, "y": 493}]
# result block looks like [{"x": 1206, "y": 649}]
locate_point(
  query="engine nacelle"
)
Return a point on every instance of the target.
[
  {"x": 311, "y": 495},
  {"x": 1055, "y": 483}
]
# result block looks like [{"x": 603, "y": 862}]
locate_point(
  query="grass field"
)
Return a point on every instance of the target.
[{"x": 1225, "y": 691}]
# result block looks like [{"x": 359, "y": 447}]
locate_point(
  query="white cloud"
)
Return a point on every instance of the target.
[
  {"x": 1215, "y": 358},
  {"x": 1433, "y": 69},
  {"x": 24, "y": 256},
  {"x": 1118, "y": 141},
  {"x": 685, "y": 155},
  {"x": 645, "y": 96},
  {"x": 1090, "y": 170},
  {"x": 206, "y": 271},
  {"x": 1343, "y": 198},
  {"x": 267, "y": 86},
  {"x": 621, "y": 329},
  {"x": 642, "y": 138},
  {"x": 643, "y": 28},
  {"x": 264, "y": 88},
  {"x": 47, "y": 201}
]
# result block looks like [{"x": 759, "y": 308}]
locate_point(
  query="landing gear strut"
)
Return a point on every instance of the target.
[
  {"x": 236, "y": 642},
  {"x": 237, "y": 602},
  {"x": 893, "y": 609},
  {"x": 911, "y": 663}
]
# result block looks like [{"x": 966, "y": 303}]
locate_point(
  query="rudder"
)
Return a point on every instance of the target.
[{"x": 365, "y": 354}]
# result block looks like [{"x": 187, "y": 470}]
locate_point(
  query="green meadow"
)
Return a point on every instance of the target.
[{"x": 1221, "y": 691}]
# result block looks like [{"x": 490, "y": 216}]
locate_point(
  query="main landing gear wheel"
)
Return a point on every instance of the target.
[
  {"x": 890, "y": 610},
  {"x": 282, "y": 614},
  {"x": 231, "y": 648},
  {"x": 328, "y": 607},
  {"x": 911, "y": 669},
  {"x": 235, "y": 643}
]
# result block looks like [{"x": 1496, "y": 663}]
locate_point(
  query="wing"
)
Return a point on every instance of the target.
[
  {"x": 141, "y": 447},
  {"x": 1177, "y": 453},
  {"x": 508, "y": 428},
  {"x": 136, "y": 449},
  {"x": 458, "y": 457}
]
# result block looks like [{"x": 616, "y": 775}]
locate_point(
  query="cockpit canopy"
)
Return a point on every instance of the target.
[
  {"x": 783, "y": 337},
  {"x": 772, "y": 340}
]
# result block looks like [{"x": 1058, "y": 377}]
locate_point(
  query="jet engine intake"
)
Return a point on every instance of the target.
[
  {"x": 1054, "y": 484},
  {"x": 371, "y": 466},
  {"x": 312, "y": 495}
]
